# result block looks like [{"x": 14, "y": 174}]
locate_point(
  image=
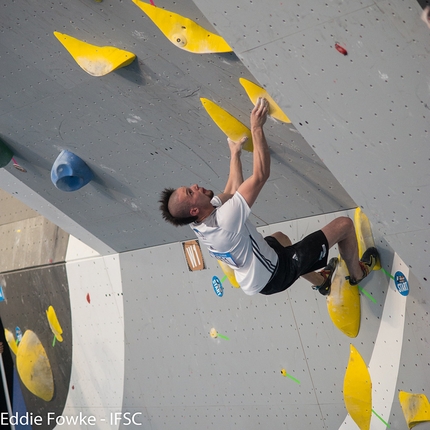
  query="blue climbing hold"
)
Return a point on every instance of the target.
[{"x": 69, "y": 172}]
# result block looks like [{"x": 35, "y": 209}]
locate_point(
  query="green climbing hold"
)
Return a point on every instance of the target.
[{"x": 5, "y": 153}]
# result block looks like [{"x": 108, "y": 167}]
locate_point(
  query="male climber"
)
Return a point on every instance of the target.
[{"x": 262, "y": 265}]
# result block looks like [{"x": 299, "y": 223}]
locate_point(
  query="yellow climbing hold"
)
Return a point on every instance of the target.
[
  {"x": 415, "y": 407},
  {"x": 343, "y": 303},
  {"x": 364, "y": 234},
  {"x": 54, "y": 323},
  {"x": 33, "y": 366},
  {"x": 232, "y": 127},
  {"x": 10, "y": 339},
  {"x": 357, "y": 390},
  {"x": 229, "y": 272},
  {"x": 254, "y": 92},
  {"x": 183, "y": 32},
  {"x": 95, "y": 60}
]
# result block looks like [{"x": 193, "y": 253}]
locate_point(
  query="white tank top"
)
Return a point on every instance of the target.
[{"x": 231, "y": 238}]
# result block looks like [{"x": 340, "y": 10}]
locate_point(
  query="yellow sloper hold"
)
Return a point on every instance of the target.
[
  {"x": 343, "y": 303},
  {"x": 364, "y": 234},
  {"x": 357, "y": 390},
  {"x": 54, "y": 323},
  {"x": 95, "y": 60},
  {"x": 33, "y": 366},
  {"x": 232, "y": 127},
  {"x": 415, "y": 407},
  {"x": 10, "y": 339},
  {"x": 254, "y": 92},
  {"x": 229, "y": 272},
  {"x": 183, "y": 32}
]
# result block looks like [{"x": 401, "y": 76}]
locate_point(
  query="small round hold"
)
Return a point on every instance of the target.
[
  {"x": 213, "y": 333},
  {"x": 283, "y": 372},
  {"x": 341, "y": 49},
  {"x": 179, "y": 40}
]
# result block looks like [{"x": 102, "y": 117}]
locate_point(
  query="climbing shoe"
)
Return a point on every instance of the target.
[
  {"x": 327, "y": 274},
  {"x": 367, "y": 263}
]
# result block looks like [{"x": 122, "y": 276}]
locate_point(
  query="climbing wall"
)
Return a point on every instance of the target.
[
  {"x": 189, "y": 379},
  {"x": 353, "y": 78},
  {"x": 99, "y": 340},
  {"x": 139, "y": 128},
  {"x": 140, "y": 344}
]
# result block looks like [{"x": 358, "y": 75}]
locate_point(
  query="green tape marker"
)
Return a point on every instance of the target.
[
  {"x": 293, "y": 378},
  {"x": 388, "y": 274},
  {"x": 362, "y": 290},
  {"x": 388, "y": 425},
  {"x": 223, "y": 337},
  {"x": 284, "y": 373},
  {"x": 223, "y": 279},
  {"x": 53, "y": 341}
]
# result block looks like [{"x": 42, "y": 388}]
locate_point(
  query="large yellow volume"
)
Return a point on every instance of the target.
[
  {"x": 364, "y": 234},
  {"x": 357, "y": 390},
  {"x": 33, "y": 366},
  {"x": 415, "y": 407},
  {"x": 254, "y": 92},
  {"x": 343, "y": 303},
  {"x": 183, "y": 32},
  {"x": 232, "y": 127},
  {"x": 95, "y": 60}
]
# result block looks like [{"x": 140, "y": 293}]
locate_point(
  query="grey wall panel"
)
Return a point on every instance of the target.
[
  {"x": 416, "y": 331},
  {"x": 190, "y": 380},
  {"x": 19, "y": 190},
  {"x": 365, "y": 113},
  {"x": 30, "y": 243},
  {"x": 140, "y": 128},
  {"x": 27, "y": 239},
  {"x": 12, "y": 210}
]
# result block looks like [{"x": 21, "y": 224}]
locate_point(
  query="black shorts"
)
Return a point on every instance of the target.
[{"x": 306, "y": 256}]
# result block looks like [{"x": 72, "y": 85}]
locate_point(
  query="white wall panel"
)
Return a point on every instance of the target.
[{"x": 99, "y": 340}]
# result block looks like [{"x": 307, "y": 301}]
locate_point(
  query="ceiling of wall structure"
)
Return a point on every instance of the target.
[{"x": 141, "y": 128}]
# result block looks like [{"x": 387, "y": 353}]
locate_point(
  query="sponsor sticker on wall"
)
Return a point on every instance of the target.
[
  {"x": 193, "y": 255},
  {"x": 402, "y": 283}
]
